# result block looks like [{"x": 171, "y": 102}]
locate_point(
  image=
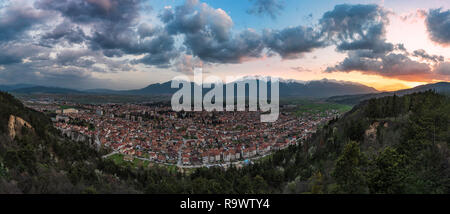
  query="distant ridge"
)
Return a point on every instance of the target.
[
  {"x": 46, "y": 90},
  {"x": 288, "y": 88},
  {"x": 323, "y": 88},
  {"x": 14, "y": 87},
  {"x": 440, "y": 87}
]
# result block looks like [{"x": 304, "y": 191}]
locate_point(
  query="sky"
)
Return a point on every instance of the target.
[{"x": 129, "y": 44}]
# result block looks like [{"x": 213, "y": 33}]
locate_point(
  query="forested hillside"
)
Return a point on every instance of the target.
[
  {"x": 37, "y": 160},
  {"x": 387, "y": 145}
]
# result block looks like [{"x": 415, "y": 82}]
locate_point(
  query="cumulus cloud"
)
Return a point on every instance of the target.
[
  {"x": 291, "y": 43},
  {"x": 391, "y": 65},
  {"x": 82, "y": 37},
  {"x": 349, "y": 27},
  {"x": 89, "y": 60},
  {"x": 355, "y": 27},
  {"x": 129, "y": 42},
  {"x": 67, "y": 68},
  {"x": 146, "y": 30},
  {"x": 160, "y": 60},
  {"x": 66, "y": 32},
  {"x": 12, "y": 53},
  {"x": 443, "y": 68},
  {"x": 70, "y": 77},
  {"x": 88, "y": 11},
  {"x": 357, "y": 61},
  {"x": 359, "y": 31},
  {"x": 78, "y": 58},
  {"x": 187, "y": 63},
  {"x": 207, "y": 33},
  {"x": 424, "y": 55},
  {"x": 438, "y": 25},
  {"x": 9, "y": 58},
  {"x": 15, "y": 20},
  {"x": 400, "y": 65},
  {"x": 42, "y": 72},
  {"x": 271, "y": 8},
  {"x": 116, "y": 29}
]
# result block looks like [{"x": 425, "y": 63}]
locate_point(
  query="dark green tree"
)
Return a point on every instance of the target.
[{"x": 350, "y": 170}]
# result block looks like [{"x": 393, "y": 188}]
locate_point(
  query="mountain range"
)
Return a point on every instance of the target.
[
  {"x": 336, "y": 91},
  {"x": 288, "y": 88}
]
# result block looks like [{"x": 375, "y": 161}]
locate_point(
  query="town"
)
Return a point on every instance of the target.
[{"x": 157, "y": 134}]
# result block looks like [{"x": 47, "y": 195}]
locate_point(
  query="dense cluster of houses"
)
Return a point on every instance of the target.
[{"x": 186, "y": 138}]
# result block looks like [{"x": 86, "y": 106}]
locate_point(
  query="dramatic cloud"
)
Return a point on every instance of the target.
[
  {"x": 271, "y": 8},
  {"x": 395, "y": 65},
  {"x": 158, "y": 48},
  {"x": 401, "y": 65},
  {"x": 88, "y": 11},
  {"x": 66, "y": 32},
  {"x": 146, "y": 30},
  {"x": 291, "y": 43},
  {"x": 12, "y": 53},
  {"x": 66, "y": 68},
  {"x": 422, "y": 54},
  {"x": 244, "y": 46},
  {"x": 89, "y": 60},
  {"x": 15, "y": 20},
  {"x": 60, "y": 42},
  {"x": 392, "y": 65},
  {"x": 116, "y": 31},
  {"x": 355, "y": 27},
  {"x": 77, "y": 41},
  {"x": 207, "y": 33},
  {"x": 438, "y": 24},
  {"x": 9, "y": 58},
  {"x": 443, "y": 69},
  {"x": 360, "y": 31},
  {"x": 349, "y": 27},
  {"x": 70, "y": 77},
  {"x": 187, "y": 63},
  {"x": 80, "y": 58}
]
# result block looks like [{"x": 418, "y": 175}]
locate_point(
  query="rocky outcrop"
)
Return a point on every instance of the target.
[
  {"x": 371, "y": 132},
  {"x": 79, "y": 137},
  {"x": 75, "y": 136},
  {"x": 15, "y": 125}
]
